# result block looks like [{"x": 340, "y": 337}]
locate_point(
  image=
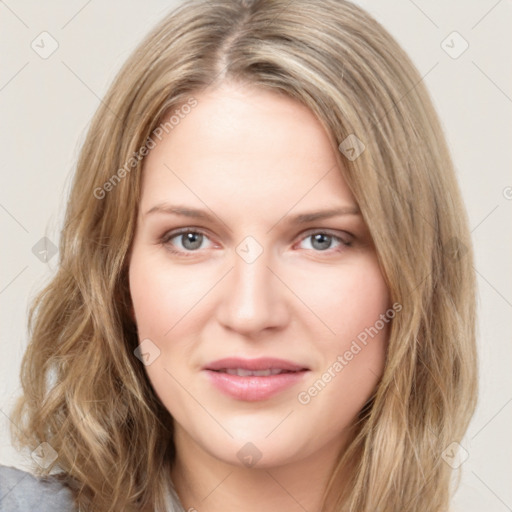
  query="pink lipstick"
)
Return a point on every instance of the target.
[{"x": 254, "y": 379}]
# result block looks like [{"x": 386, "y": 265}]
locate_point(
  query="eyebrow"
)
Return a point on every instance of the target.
[{"x": 301, "y": 218}]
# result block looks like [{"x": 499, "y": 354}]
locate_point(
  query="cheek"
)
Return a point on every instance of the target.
[
  {"x": 347, "y": 299},
  {"x": 171, "y": 305},
  {"x": 162, "y": 296},
  {"x": 163, "y": 302},
  {"x": 364, "y": 326},
  {"x": 355, "y": 305}
]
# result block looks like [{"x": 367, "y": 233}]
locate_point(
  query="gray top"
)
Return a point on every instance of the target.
[{"x": 22, "y": 492}]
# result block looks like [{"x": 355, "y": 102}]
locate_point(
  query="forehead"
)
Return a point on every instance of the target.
[{"x": 244, "y": 143}]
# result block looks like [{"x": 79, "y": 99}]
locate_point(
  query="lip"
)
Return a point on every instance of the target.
[
  {"x": 254, "y": 388},
  {"x": 260, "y": 363}
]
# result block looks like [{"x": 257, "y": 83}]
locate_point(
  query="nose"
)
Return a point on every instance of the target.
[{"x": 253, "y": 298}]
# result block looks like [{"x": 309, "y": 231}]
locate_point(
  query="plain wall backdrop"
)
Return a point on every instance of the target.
[{"x": 47, "y": 100}]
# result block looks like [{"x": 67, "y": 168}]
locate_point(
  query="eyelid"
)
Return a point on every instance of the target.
[
  {"x": 168, "y": 235},
  {"x": 331, "y": 232}
]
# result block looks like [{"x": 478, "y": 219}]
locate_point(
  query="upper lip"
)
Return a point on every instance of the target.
[{"x": 261, "y": 363}]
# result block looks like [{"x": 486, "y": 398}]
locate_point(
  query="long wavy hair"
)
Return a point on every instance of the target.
[{"x": 87, "y": 394}]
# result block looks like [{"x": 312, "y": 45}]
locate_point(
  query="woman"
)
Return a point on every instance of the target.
[{"x": 265, "y": 298}]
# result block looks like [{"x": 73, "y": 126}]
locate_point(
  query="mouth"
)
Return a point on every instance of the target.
[
  {"x": 242, "y": 372},
  {"x": 260, "y": 364},
  {"x": 254, "y": 379}
]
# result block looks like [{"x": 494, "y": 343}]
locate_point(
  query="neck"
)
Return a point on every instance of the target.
[{"x": 207, "y": 484}]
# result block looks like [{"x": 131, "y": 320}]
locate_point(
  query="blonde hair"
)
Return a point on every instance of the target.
[{"x": 87, "y": 394}]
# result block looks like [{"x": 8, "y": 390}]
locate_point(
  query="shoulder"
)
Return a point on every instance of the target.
[{"x": 22, "y": 492}]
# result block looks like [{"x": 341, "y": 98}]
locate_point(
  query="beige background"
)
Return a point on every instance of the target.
[{"x": 46, "y": 104}]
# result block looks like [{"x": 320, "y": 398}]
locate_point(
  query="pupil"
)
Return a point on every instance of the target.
[
  {"x": 192, "y": 240},
  {"x": 321, "y": 241}
]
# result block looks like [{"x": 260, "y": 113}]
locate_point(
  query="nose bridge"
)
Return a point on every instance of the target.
[{"x": 252, "y": 300}]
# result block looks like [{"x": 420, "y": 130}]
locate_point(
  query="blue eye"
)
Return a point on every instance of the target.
[
  {"x": 186, "y": 240},
  {"x": 321, "y": 241}
]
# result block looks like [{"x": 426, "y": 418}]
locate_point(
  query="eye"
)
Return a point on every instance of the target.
[
  {"x": 322, "y": 241},
  {"x": 186, "y": 240}
]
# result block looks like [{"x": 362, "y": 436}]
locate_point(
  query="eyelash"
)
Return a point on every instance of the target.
[{"x": 167, "y": 237}]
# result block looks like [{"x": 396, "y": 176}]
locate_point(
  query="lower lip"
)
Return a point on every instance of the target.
[{"x": 254, "y": 388}]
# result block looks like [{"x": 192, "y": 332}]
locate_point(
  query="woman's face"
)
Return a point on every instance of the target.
[{"x": 249, "y": 256}]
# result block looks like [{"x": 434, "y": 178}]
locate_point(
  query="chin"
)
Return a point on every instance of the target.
[{"x": 257, "y": 454}]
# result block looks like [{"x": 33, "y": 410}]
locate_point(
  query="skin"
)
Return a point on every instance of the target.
[{"x": 254, "y": 159}]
